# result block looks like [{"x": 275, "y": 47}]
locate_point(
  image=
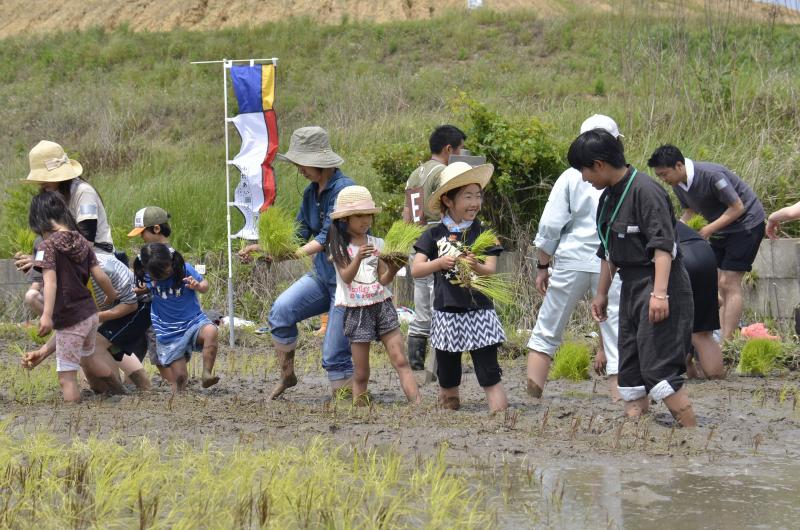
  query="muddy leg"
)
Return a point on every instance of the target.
[
  {"x": 613, "y": 388},
  {"x": 637, "y": 407},
  {"x": 449, "y": 399},
  {"x": 496, "y": 397},
  {"x": 538, "y": 368},
  {"x": 288, "y": 377},
  {"x": 208, "y": 339},
  {"x": 681, "y": 408},
  {"x": 95, "y": 368},
  {"x": 69, "y": 386},
  {"x": 393, "y": 342},
  {"x": 180, "y": 375},
  {"x": 360, "y": 372}
]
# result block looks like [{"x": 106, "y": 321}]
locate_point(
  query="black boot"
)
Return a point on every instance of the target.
[{"x": 417, "y": 348}]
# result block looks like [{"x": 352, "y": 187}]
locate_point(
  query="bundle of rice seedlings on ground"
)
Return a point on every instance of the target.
[
  {"x": 760, "y": 357},
  {"x": 572, "y": 362},
  {"x": 398, "y": 242},
  {"x": 277, "y": 234}
]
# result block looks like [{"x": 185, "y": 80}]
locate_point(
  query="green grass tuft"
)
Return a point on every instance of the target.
[
  {"x": 760, "y": 357},
  {"x": 572, "y": 362}
]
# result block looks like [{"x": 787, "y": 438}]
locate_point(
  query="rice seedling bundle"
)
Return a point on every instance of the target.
[
  {"x": 496, "y": 287},
  {"x": 572, "y": 362},
  {"x": 760, "y": 357},
  {"x": 277, "y": 234},
  {"x": 399, "y": 241},
  {"x": 696, "y": 222}
]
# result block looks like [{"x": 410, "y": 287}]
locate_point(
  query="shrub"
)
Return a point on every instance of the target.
[
  {"x": 394, "y": 164},
  {"x": 760, "y": 357},
  {"x": 572, "y": 362},
  {"x": 526, "y": 157}
]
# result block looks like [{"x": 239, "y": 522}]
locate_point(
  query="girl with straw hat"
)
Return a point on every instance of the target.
[
  {"x": 463, "y": 319},
  {"x": 361, "y": 288},
  {"x": 313, "y": 294}
]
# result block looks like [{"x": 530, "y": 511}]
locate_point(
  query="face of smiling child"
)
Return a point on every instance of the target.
[
  {"x": 359, "y": 225},
  {"x": 466, "y": 204}
]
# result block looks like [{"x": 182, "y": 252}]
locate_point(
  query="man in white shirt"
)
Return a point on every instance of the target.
[{"x": 567, "y": 244}]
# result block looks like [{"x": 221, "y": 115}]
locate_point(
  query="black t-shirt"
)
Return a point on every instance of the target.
[
  {"x": 447, "y": 296},
  {"x": 644, "y": 223}
]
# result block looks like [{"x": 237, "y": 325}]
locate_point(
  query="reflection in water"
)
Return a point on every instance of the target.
[{"x": 655, "y": 494}]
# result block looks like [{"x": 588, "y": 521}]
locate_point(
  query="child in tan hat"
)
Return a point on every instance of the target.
[
  {"x": 463, "y": 319},
  {"x": 361, "y": 287}
]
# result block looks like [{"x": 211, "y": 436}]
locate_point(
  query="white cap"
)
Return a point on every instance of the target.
[{"x": 600, "y": 121}]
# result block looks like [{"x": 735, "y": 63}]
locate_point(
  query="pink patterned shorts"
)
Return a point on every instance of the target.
[{"x": 75, "y": 342}]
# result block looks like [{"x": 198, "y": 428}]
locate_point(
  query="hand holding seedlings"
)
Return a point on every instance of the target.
[
  {"x": 446, "y": 262},
  {"x": 32, "y": 358},
  {"x": 365, "y": 251}
]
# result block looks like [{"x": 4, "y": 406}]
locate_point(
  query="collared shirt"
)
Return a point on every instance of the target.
[
  {"x": 315, "y": 219},
  {"x": 645, "y": 222},
  {"x": 712, "y": 189},
  {"x": 567, "y": 229},
  {"x": 689, "y": 176}
]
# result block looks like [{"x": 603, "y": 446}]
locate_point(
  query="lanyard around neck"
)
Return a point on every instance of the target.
[{"x": 613, "y": 217}]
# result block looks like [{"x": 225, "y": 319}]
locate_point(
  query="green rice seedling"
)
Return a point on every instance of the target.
[
  {"x": 399, "y": 240},
  {"x": 33, "y": 334},
  {"x": 497, "y": 287},
  {"x": 696, "y": 222},
  {"x": 760, "y": 357},
  {"x": 277, "y": 234},
  {"x": 572, "y": 362},
  {"x": 482, "y": 243}
]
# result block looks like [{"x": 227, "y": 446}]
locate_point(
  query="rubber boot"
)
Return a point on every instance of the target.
[
  {"x": 323, "y": 325},
  {"x": 417, "y": 349},
  {"x": 288, "y": 378}
]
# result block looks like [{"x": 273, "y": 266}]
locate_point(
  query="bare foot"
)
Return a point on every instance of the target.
[
  {"x": 534, "y": 390},
  {"x": 283, "y": 385},
  {"x": 209, "y": 380},
  {"x": 362, "y": 400}
]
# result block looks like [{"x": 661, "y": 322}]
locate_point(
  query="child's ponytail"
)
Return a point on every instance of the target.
[
  {"x": 178, "y": 267},
  {"x": 338, "y": 239},
  {"x": 158, "y": 259}
]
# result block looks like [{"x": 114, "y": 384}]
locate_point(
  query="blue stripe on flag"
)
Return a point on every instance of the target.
[{"x": 247, "y": 86}]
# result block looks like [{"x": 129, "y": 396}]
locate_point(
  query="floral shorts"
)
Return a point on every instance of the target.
[{"x": 75, "y": 342}]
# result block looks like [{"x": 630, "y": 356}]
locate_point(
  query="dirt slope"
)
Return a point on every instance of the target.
[{"x": 25, "y": 17}]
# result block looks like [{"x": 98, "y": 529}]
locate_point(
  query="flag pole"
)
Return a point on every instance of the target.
[{"x": 231, "y": 319}]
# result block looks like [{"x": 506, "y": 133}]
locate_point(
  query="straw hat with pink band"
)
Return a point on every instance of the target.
[{"x": 354, "y": 200}]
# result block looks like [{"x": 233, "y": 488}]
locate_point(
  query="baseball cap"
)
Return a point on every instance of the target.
[
  {"x": 600, "y": 121},
  {"x": 149, "y": 216}
]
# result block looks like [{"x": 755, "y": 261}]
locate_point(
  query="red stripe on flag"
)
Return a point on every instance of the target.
[{"x": 267, "y": 174}]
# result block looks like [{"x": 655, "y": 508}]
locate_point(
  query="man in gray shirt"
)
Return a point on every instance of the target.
[{"x": 735, "y": 220}]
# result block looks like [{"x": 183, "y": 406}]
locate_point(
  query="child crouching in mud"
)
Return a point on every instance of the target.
[
  {"x": 178, "y": 321},
  {"x": 67, "y": 260},
  {"x": 636, "y": 225},
  {"x": 361, "y": 280},
  {"x": 463, "y": 319}
]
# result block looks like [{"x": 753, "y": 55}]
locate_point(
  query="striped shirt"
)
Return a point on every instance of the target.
[{"x": 121, "y": 278}]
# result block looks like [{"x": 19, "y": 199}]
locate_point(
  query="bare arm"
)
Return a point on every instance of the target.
[
  {"x": 50, "y": 288},
  {"x": 487, "y": 268},
  {"x": 659, "y": 304},
  {"x": 387, "y": 272},
  {"x": 732, "y": 213},
  {"x": 104, "y": 282},
  {"x": 311, "y": 248},
  {"x": 790, "y": 213},
  {"x": 118, "y": 311},
  {"x": 600, "y": 300},
  {"x": 194, "y": 285}
]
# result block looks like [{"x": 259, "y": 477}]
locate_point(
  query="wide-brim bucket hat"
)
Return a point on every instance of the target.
[
  {"x": 311, "y": 147},
  {"x": 49, "y": 163},
  {"x": 456, "y": 175},
  {"x": 354, "y": 200}
]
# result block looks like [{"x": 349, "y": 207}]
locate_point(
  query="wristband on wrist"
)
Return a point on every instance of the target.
[
  {"x": 659, "y": 296},
  {"x": 542, "y": 266}
]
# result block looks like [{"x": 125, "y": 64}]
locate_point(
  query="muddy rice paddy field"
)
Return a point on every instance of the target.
[{"x": 228, "y": 457}]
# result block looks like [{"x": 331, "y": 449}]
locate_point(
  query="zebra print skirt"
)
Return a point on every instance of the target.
[{"x": 468, "y": 331}]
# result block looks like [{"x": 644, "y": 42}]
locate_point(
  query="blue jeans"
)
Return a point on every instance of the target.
[{"x": 307, "y": 297}]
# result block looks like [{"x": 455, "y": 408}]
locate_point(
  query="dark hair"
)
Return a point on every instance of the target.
[
  {"x": 445, "y": 135},
  {"x": 666, "y": 156},
  {"x": 165, "y": 230},
  {"x": 596, "y": 145},
  {"x": 338, "y": 239},
  {"x": 157, "y": 259},
  {"x": 47, "y": 208},
  {"x": 451, "y": 194}
]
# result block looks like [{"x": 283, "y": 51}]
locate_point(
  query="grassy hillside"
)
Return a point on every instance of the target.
[{"x": 147, "y": 125}]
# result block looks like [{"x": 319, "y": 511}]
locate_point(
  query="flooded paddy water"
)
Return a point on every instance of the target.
[{"x": 569, "y": 460}]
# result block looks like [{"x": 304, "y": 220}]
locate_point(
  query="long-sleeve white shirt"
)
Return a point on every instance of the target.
[{"x": 567, "y": 228}]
